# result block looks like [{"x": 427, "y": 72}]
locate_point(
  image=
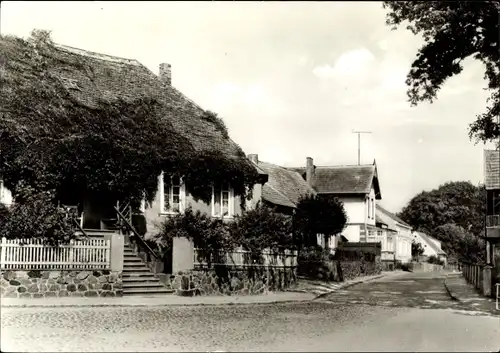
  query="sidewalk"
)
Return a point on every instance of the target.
[
  {"x": 461, "y": 291},
  {"x": 151, "y": 301},
  {"x": 320, "y": 288}
]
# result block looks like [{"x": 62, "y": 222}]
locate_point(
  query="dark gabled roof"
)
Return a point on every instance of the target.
[
  {"x": 345, "y": 179},
  {"x": 389, "y": 215},
  {"x": 284, "y": 187},
  {"x": 429, "y": 240},
  {"x": 492, "y": 169},
  {"x": 90, "y": 77}
]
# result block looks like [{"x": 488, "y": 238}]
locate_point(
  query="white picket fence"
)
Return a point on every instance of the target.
[
  {"x": 32, "y": 254},
  {"x": 240, "y": 258}
]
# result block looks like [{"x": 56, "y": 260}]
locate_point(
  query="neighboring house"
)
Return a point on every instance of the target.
[
  {"x": 5, "y": 195},
  {"x": 492, "y": 186},
  {"x": 431, "y": 246},
  {"x": 357, "y": 186},
  {"x": 403, "y": 235},
  {"x": 284, "y": 189},
  {"x": 114, "y": 78},
  {"x": 387, "y": 235}
]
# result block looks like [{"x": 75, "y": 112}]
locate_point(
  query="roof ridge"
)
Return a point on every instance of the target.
[
  {"x": 345, "y": 166},
  {"x": 96, "y": 55}
]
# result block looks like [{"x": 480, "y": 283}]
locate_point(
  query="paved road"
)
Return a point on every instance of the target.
[
  {"x": 417, "y": 290},
  {"x": 332, "y": 324}
]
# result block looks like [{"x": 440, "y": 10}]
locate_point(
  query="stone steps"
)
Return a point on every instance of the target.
[{"x": 138, "y": 279}]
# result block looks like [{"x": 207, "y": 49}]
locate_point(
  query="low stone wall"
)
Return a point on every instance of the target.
[
  {"x": 228, "y": 281},
  {"x": 425, "y": 267},
  {"x": 44, "y": 284}
]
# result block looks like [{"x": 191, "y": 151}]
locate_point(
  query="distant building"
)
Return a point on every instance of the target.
[{"x": 431, "y": 246}]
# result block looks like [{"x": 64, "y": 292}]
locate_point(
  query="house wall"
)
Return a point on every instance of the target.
[
  {"x": 403, "y": 244},
  {"x": 352, "y": 232},
  {"x": 355, "y": 208},
  {"x": 5, "y": 195},
  {"x": 154, "y": 216}
]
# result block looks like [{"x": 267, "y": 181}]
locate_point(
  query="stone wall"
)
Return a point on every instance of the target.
[
  {"x": 224, "y": 280},
  {"x": 425, "y": 267},
  {"x": 44, "y": 284}
]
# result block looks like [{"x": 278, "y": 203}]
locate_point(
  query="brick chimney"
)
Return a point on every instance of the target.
[
  {"x": 166, "y": 74},
  {"x": 309, "y": 170},
  {"x": 254, "y": 158}
]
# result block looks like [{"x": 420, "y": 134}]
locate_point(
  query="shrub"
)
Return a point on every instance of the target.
[
  {"x": 205, "y": 232},
  {"x": 38, "y": 217},
  {"x": 262, "y": 228},
  {"x": 316, "y": 262},
  {"x": 435, "y": 260}
]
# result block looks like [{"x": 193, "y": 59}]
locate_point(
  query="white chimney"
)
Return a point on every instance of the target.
[
  {"x": 254, "y": 158},
  {"x": 166, "y": 74},
  {"x": 309, "y": 170}
]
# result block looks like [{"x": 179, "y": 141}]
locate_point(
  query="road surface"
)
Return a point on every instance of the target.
[{"x": 402, "y": 313}]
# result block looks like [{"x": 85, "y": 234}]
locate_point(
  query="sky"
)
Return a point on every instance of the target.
[{"x": 291, "y": 80}]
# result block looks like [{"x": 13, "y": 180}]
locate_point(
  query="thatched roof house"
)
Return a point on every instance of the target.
[
  {"x": 90, "y": 77},
  {"x": 284, "y": 188},
  {"x": 198, "y": 148}
]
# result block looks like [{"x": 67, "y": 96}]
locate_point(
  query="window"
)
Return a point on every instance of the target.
[
  {"x": 390, "y": 244},
  {"x": 222, "y": 201},
  {"x": 371, "y": 236},
  {"x": 373, "y": 208},
  {"x": 172, "y": 194},
  {"x": 368, "y": 208}
]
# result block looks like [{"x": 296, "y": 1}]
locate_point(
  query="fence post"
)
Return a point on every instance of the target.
[
  {"x": 4, "y": 251},
  {"x": 487, "y": 287}
]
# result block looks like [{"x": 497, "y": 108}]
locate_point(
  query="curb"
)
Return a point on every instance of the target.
[
  {"x": 347, "y": 285},
  {"x": 148, "y": 305},
  {"x": 452, "y": 296}
]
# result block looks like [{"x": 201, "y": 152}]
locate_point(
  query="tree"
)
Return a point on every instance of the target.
[
  {"x": 458, "y": 243},
  {"x": 460, "y": 203},
  {"x": 416, "y": 249},
  {"x": 452, "y": 31},
  {"x": 318, "y": 215}
]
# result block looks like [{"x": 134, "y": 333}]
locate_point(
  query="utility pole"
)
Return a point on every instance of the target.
[{"x": 359, "y": 142}]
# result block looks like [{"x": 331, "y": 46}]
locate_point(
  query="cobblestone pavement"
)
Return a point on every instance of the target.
[
  {"x": 335, "y": 324},
  {"x": 414, "y": 290}
]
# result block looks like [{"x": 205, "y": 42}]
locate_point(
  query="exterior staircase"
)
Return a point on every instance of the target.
[{"x": 138, "y": 279}]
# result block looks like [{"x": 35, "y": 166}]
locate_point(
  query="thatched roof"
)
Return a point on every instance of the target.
[
  {"x": 284, "y": 187},
  {"x": 90, "y": 77}
]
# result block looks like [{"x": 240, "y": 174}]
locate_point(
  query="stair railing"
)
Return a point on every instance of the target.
[{"x": 140, "y": 242}]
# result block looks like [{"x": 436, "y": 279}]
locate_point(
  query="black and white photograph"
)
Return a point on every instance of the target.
[{"x": 250, "y": 176}]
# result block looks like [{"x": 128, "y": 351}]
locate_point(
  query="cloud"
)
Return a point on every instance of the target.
[
  {"x": 324, "y": 71},
  {"x": 353, "y": 64}
]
